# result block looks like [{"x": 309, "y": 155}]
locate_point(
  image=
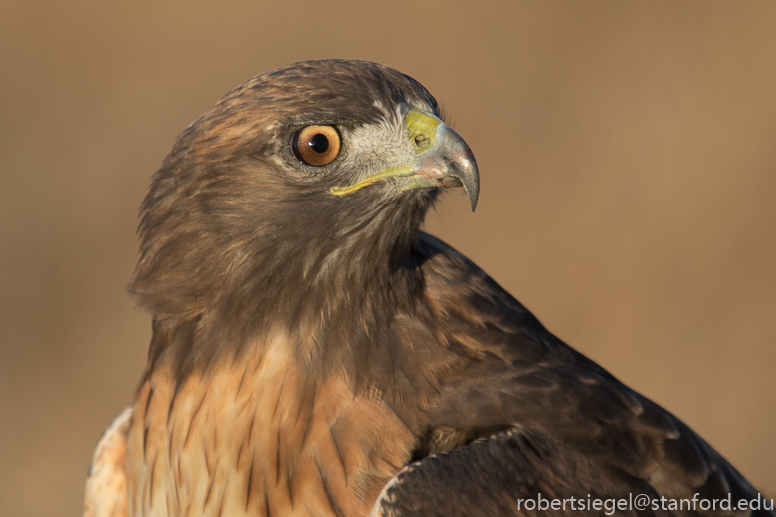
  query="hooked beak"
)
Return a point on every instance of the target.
[
  {"x": 444, "y": 161},
  {"x": 450, "y": 163}
]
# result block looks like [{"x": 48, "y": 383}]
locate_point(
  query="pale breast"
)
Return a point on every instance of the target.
[{"x": 260, "y": 435}]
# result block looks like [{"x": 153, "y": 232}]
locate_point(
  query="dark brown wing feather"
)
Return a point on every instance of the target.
[
  {"x": 572, "y": 417},
  {"x": 497, "y": 475}
]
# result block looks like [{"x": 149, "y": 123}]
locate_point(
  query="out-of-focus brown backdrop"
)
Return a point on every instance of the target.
[{"x": 628, "y": 161}]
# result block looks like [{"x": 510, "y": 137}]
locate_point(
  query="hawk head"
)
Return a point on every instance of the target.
[{"x": 304, "y": 188}]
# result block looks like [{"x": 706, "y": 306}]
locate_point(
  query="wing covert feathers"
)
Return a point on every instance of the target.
[{"x": 106, "y": 484}]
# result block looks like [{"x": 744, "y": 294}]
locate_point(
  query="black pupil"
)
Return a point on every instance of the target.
[{"x": 319, "y": 143}]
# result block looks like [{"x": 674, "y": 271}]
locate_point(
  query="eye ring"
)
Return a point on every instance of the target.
[{"x": 317, "y": 145}]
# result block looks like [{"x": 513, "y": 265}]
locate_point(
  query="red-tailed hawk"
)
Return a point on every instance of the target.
[{"x": 315, "y": 353}]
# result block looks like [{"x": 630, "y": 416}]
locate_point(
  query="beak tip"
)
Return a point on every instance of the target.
[
  {"x": 473, "y": 198},
  {"x": 471, "y": 184}
]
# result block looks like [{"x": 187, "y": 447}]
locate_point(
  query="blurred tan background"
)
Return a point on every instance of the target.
[{"x": 628, "y": 161}]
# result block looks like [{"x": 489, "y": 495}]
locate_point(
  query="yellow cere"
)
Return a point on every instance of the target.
[{"x": 422, "y": 130}]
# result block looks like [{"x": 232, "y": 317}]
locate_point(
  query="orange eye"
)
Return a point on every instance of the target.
[{"x": 317, "y": 145}]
